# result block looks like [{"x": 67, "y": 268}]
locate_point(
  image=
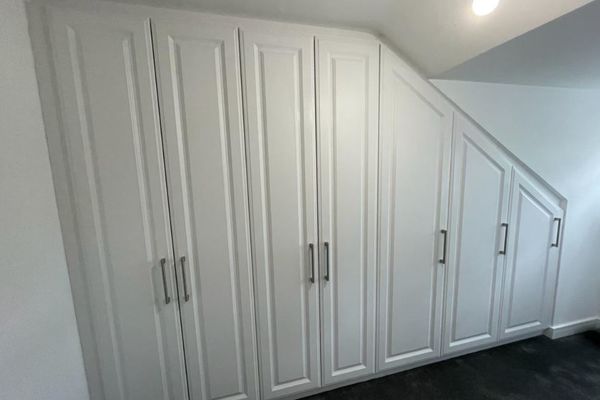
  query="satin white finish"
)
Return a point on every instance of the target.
[
  {"x": 348, "y": 88},
  {"x": 415, "y": 152},
  {"x": 530, "y": 121},
  {"x": 436, "y": 35},
  {"x": 531, "y": 269},
  {"x": 199, "y": 77},
  {"x": 280, "y": 106},
  {"x": 480, "y": 194},
  {"x": 107, "y": 90},
  {"x": 308, "y": 332}
]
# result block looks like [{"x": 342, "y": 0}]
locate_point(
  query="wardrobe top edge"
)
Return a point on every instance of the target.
[{"x": 243, "y": 22}]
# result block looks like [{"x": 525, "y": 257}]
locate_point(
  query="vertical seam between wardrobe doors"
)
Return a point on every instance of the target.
[
  {"x": 318, "y": 203},
  {"x": 157, "y": 90},
  {"x": 247, "y": 165}
]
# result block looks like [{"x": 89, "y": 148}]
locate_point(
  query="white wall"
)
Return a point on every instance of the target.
[
  {"x": 40, "y": 354},
  {"x": 556, "y": 132}
]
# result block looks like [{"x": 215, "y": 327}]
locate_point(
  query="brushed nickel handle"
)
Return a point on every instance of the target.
[
  {"x": 445, "y": 247},
  {"x": 186, "y": 295},
  {"x": 311, "y": 254},
  {"x": 326, "y": 245},
  {"x": 505, "y": 226},
  {"x": 163, "y": 262},
  {"x": 555, "y": 244}
]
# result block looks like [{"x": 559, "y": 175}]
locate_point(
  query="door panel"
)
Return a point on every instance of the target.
[
  {"x": 479, "y": 207},
  {"x": 415, "y": 149},
  {"x": 279, "y": 76},
  {"x": 114, "y": 152},
  {"x": 532, "y": 260},
  {"x": 200, "y": 86},
  {"x": 348, "y": 139}
]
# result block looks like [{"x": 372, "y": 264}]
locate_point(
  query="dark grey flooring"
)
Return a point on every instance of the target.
[{"x": 539, "y": 368}]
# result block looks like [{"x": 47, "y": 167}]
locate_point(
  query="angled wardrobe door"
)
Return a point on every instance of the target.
[
  {"x": 532, "y": 258},
  {"x": 479, "y": 212},
  {"x": 279, "y": 93},
  {"x": 200, "y": 98},
  {"x": 416, "y": 133},
  {"x": 348, "y": 92},
  {"x": 113, "y": 148}
]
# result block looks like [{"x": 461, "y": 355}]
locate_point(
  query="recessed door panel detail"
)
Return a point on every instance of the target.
[
  {"x": 479, "y": 208},
  {"x": 201, "y": 103},
  {"x": 532, "y": 259},
  {"x": 280, "y": 98},
  {"x": 243, "y": 221},
  {"x": 348, "y": 139},
  {"x": 114, "y": 156},
  {"x": 415, "y": 165}
]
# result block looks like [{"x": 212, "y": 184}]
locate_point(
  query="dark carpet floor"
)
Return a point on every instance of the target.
[{"x": 539, "y": 368}]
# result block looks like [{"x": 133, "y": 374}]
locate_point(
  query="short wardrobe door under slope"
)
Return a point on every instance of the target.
[
  {"x": 348, "y": 92},
  {"x": 114, "y": 156},
  {"x": 416, "y": 133},
  {"x": 279, "y": 83},
  {"x": 200, "y": 98},
  {"x": 479, "y": 213},
  {"x": 532, "y": 258}
]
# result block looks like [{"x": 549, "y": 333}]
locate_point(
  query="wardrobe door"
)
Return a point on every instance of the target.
[
  {"x": 279, "y": 83},
  {"x": 481, "y": 186},
  {"x": 416, "y": 132},
  {"x": 532, "y": 258},
  {"x": 113, "y": 148},
  {"x": 199, "y": 78},
  {"x": 348, "y": 77}
]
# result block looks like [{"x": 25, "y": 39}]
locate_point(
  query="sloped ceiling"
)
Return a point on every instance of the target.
[
  {"x": 435, "y": 35},
  {"x": 563, "y": 53}
]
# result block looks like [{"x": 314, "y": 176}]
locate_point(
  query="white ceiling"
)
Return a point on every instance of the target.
[
  {"x": 562, "y": 53},
  {"x": 435, "y": 35}
]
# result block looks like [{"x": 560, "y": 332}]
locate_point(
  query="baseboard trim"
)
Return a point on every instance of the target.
[{"x": 572, "y": 328}]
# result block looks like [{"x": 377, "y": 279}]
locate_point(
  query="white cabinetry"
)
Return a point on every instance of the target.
[
  {"x": 480, "y": 195},
  {"x": 532, "y": 258},
  {"x": 416, "y": 132},
  {"x": 214, "y": 168},
  {"x": 200, "y": 98},
  {"x": 347, "y": 77},
  {"x": 280, "y": 100},
  {"x": 112, "y": 138}
]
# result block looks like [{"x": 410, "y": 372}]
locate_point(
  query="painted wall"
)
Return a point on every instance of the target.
[
  {"x": 40, "y": 354},
  {"x": 556, "y": 132}
]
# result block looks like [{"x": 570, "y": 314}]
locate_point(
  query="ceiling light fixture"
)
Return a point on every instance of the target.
[{"x": 484, "y": 7}]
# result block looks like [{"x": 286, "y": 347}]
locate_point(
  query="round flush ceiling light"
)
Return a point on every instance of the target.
[{"x": 484, "y": 7}]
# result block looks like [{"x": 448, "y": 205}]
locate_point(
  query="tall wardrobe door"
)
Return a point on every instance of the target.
[
  {"x": 199, "y": 78},
  {"x": 416, "y": 132},
  {"x": 480, "y": 192},
  {"x": 113, "y": 146},
  {"x": 348, "y": 93},
  {"x": 532, "y": 258},
  {"x": 279, "y": 83}
]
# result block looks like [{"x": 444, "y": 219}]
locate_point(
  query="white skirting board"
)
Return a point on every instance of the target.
[{"x": 572, "y": 328}]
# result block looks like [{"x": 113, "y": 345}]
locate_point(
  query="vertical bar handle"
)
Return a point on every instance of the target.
[
  {"x": 186, "y": 295},
  {"x": 555, "y": 244},
  {"x": 326, "y": 245},
  {"x": 311, "y": 255},
  {"x": 445, "y": 247},
  {"x": 163, "y": 262},
  {"x": 503, "y": 251}
]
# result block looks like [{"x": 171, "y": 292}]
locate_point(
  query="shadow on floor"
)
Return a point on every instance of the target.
[{"x": 538, "y": 368}]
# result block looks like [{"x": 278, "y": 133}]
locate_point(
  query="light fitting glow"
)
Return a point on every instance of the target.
[{"x": 484, "y": 7}]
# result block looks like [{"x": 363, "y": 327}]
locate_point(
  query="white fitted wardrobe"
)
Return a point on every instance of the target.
[{"x": 259, "y": 210}]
